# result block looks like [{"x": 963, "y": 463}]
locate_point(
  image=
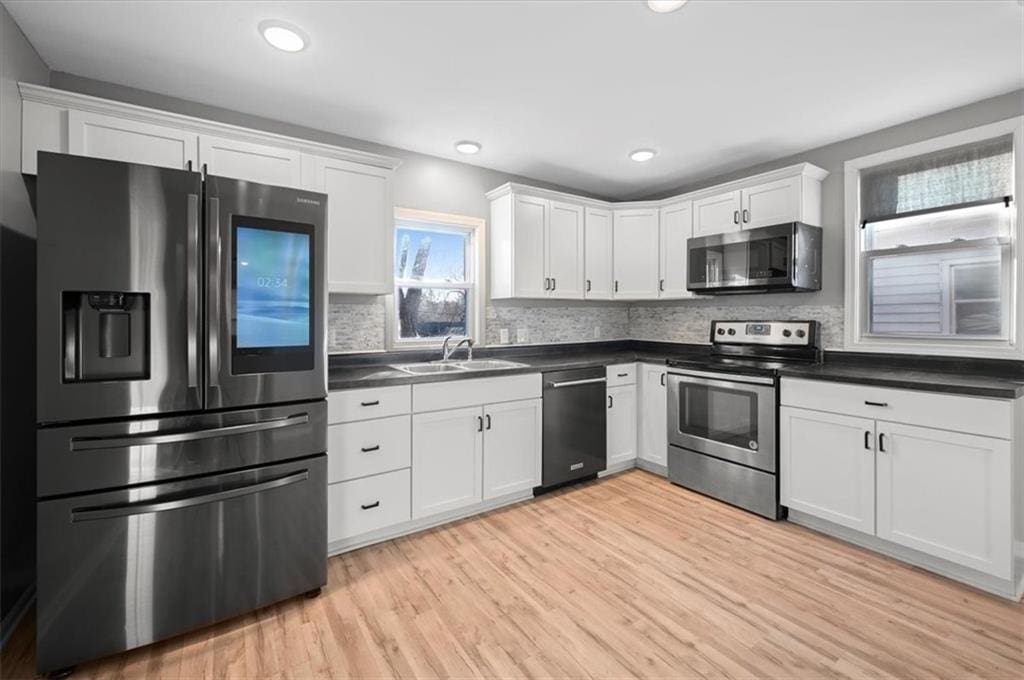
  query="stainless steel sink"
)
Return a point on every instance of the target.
[
  {"x": 429, "y": 368},
  {"x": 488, "y": 364},
  {"x": 434, "y": 367}
]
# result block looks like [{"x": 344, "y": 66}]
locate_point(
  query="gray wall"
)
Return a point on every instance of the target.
[{"x": 18, "y": 61}]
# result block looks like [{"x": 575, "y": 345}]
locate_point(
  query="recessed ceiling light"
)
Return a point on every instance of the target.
[
  {"x": 283, "y": 36},
  {"x": 643, "y": 155},
  {"x": 665, "y": 6},
  {"x": 467, "y": 146}
]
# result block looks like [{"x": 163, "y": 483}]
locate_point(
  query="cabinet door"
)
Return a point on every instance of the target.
[
  {"x": 512, "y": 447},
  {"x": 447, "y": 460},
  {"x": 597, "y": 254},
  {"x": 102, "y": 136},
  {"x": 250, "y": 161},
  {"x": 771, "y": 203},
  {"x": 635, "y": 254},
  {"x": 360, "y": 225},
  {"x": 946, "y": 494},
  {"x": 529, "y": 228},
  {"x": 827, "y": 466},
  {"x": 717, "y": 214},
  {"x": 675, "y": 226},
  {"x": 653, "y": 415},
  {"x": 565, "y": 251},
  {"x": 621, "y": 424}
]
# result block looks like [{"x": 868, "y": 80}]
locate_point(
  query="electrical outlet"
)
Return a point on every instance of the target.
[
  {"x": 522, "y": 335},
  {"x": 503, "y": 336},
  {"x": 597, "y": 332}
]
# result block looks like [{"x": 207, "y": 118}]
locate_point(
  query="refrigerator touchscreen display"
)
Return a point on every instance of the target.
[{"x": 272, "y": 287}]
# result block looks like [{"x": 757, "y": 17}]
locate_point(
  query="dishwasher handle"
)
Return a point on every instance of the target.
[{"x": 571, "y": 383}]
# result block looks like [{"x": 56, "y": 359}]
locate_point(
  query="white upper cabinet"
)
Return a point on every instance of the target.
[
  {"x": 635, "y": 253},
  {"x": 529, "y": 223},
  {"x": 565, "y": 251},
  {"x": 597, "y": 247},
  {"x": 131, "y": 141},
  {"x": 250, "y": 161},
  {"x": 360, "y": 223},
  {"x": 717, "y": 214},
  {"x": 771, "y": 203},
  {"x": 675, "y": 227}
]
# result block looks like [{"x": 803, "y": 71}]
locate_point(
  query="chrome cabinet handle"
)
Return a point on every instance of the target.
[
  {"x": 192, "y": 290},
  {"x": 881, "y": 442},
  {"x": 876, "y": 403},
  {"x": 735, "y": 216},
  {"x": 746, "y": 215},
  {"x": 370, "y": 449},
  {"x": 867, "y": 439},
  {"x": 214, "y": 288},
  {"x": 370, "y": 506},
  {"x": 147, "y": 507},
  {"x": 150, "y": 439}
]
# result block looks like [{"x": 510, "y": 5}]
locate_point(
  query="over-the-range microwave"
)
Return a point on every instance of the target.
[{"x": 779, "y": 258}]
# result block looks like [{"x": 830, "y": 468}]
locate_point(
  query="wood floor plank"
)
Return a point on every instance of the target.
[{"x": 628, "y": 576}]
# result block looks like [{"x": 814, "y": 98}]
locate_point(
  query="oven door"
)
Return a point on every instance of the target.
[{"x": 726, "y": 416}]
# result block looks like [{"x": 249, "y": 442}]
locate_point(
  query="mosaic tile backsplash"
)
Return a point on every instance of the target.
[{"x": 356, "y": 324}]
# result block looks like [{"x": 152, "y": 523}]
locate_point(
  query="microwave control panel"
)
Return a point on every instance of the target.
[{"x": 791, "y": 333}]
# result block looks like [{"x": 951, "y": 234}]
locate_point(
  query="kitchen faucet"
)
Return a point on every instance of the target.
[{"x": 446, "y": 351}]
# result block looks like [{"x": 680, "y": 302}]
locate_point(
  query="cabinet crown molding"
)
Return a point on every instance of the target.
[
  {"x": 808, "y": 170},
  {"x": 82, "y": 102}
]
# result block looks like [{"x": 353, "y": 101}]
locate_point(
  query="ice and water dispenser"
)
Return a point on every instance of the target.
[{"x": 106, "y": 336}]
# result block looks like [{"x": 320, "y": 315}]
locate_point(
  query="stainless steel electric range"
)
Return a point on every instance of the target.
[{"x": 723, "y": 411}]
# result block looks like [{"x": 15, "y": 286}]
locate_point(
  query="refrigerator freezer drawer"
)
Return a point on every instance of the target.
[
  {"x": 122, "y": 569},
  {"x": 84, "y": 458}
]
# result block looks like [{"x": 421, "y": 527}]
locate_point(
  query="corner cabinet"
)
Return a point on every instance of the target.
[
  {"x": 923, "y": 476},
  {"x": 549, "y": 244},
  {"x": 360, "y": 207}
]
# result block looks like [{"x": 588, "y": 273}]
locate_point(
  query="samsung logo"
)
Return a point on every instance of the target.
[{"x": 309, "y": 201}]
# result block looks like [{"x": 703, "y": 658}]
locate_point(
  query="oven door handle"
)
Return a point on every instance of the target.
[
  {"x": 709, "y": 378},
  {"x": 147, "y": 507}
]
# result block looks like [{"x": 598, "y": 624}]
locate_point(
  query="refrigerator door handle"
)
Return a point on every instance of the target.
[
  {"x": 213, "y": 289},
  {"x": 146, "y": 507},
  {"x": 152, "y": 439},
  {"x": 192, "y": 302}
]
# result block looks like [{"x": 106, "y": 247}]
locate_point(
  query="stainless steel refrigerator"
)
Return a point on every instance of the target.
[{"x": 181, "y": 402}]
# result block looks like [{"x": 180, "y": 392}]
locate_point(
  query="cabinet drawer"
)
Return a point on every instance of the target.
[
  {"x": 368, "y": 447},
  {"x": 621, "y": 374},
  {"x": 441, "y": 396},
  {"x": 363, "y": 505},
  {"x": 373, "y": 402},
  {"x": 989, "y": 417}
]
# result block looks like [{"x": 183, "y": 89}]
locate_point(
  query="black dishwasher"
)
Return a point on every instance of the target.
[{"x": 575, "y": 426}]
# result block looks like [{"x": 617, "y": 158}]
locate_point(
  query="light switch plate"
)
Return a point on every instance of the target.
[
  {"x": 522, "y": 335},
  {"x": 503, "y": 336}
]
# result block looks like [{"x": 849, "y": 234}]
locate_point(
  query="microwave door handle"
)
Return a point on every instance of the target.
[
  {"x": 147, "y": 507},
  {"x": 192, "y": 292},
  {"x": 157, "y": 438},
  {"x": 213, "y": 289}
]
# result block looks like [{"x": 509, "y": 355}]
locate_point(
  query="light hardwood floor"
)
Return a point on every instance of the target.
[{"x": 629, "y": 576}]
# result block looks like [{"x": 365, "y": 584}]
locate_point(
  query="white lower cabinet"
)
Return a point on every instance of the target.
[
  {"x": 447, "y": 460},
  {"x": 621, "y": 424},
  {"x": 827, "y": 466},
  {"x": 367, "y": 448},
  {"x": 363, "y": 505},
  {"x": 946, "y": 494},
  {"x": 653, "y": 415},
  {"x": 512, "y": 447}
]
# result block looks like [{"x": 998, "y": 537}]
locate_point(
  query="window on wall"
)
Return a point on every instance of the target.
[
  {"x": 932, "y": 248},
  {"x": 436, "y": 268}
]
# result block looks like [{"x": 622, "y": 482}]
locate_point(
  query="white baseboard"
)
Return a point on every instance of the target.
[
  {"x": 1004, "y": 588},
  {"x": 17, "y": 613},
  {"x": 652, "y": 467}
]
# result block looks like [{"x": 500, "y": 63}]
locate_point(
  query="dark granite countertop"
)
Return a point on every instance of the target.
[{"x": 997, "y": 379}]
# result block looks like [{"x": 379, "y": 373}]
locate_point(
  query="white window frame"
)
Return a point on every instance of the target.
[
  {"x": 856, "y": 332},
  {"x": 474, "y": 273}
]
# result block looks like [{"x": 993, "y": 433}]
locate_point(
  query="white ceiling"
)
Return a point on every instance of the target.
[{"x": 559, "y": 91}]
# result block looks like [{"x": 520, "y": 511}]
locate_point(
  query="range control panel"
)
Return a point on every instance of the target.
[{"x": 783, "y": 333}]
